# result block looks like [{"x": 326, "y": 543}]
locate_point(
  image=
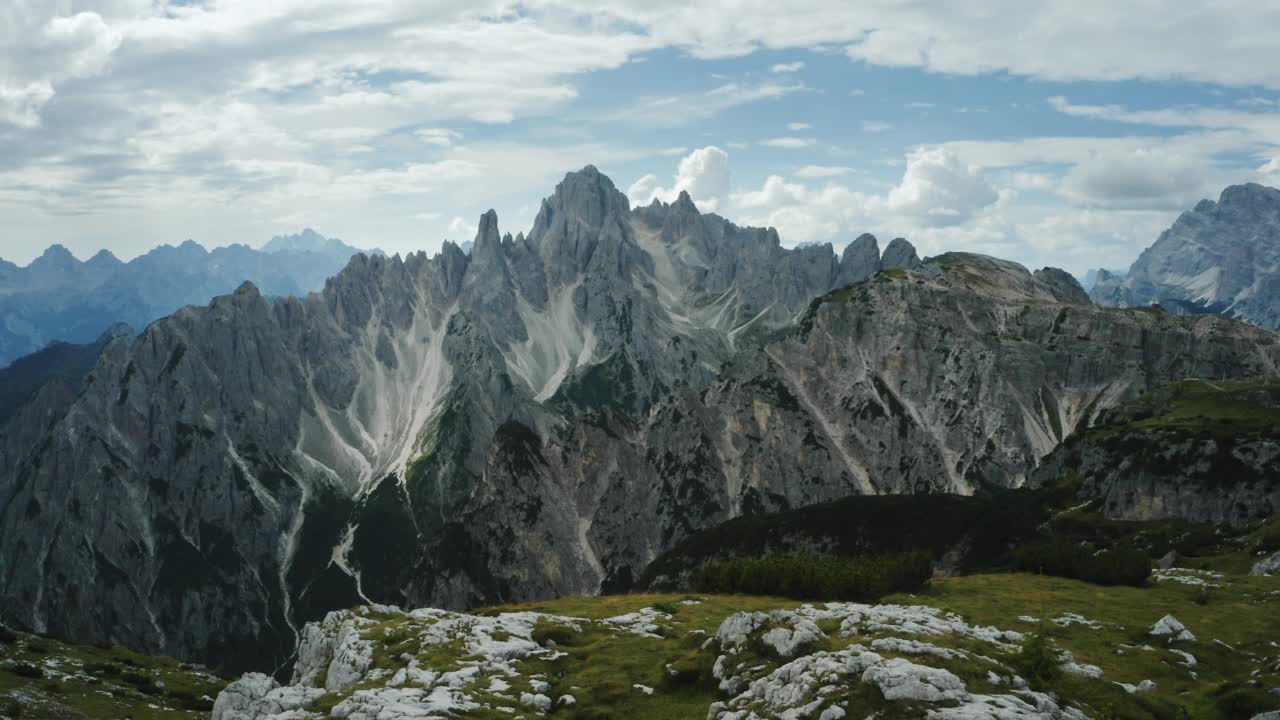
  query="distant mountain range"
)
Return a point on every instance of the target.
[
  {"x": 1219, "y": 257},
  {"x": 59, "y": 298}
]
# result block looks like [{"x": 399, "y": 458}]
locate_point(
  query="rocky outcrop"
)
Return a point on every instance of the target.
[
  {"x": 766, "y": 664},
  {"x": 1221, "y": 257},
  {"x": 1267, "y": 566},
  {"x": 859, "y": 261},
  {"x": 900, "y": 255},
  {"x": 542, "y": 417},
  {"x": 1063, "y": 286}
]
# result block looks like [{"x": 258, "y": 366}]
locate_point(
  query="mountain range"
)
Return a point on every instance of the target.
[
  {"x": 543, "y": 416},
  {"x": 59, "y": 298}
]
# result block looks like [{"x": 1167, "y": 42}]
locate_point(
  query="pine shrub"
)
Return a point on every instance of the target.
[
  {"x": 816, "y": 577},
  {"x": 1116, "y": 566}
]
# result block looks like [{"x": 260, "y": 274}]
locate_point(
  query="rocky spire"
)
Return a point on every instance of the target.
[
  {"x": 900, "y": 255},
  {"x": 859, "y": 261}
]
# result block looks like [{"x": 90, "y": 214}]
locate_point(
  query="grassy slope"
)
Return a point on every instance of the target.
[
  {"x": 1244, "y": 613},
  {"x": 83, "y": 681}
]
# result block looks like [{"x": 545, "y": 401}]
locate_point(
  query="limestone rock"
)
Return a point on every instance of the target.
[
  {"x": 900, "y": 255},
  {"x": 1267, "y": 566},
  {"x": 859, "y": 261},
  {"x": 1168, "y": 626}
]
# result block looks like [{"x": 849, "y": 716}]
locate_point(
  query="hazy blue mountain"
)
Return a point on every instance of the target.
[
  {"x": 1091, "y": 277},
  {"x": 57, "y": 297}
]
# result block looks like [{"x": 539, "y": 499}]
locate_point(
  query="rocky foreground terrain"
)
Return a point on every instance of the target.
[
  {"x": 543, "y": 417},
  {"x": 956, "y": 652}
]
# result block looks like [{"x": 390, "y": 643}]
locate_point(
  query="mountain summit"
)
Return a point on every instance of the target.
[
  {"x": 1221, "y": 257},
  {"x": 542, "y": 417}
]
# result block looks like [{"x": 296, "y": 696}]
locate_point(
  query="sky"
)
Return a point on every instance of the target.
[{"x": 1064, "y": 132}]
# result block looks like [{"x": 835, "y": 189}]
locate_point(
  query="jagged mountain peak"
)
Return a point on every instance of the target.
[
  {"x": 900, "y": 255},
  {"x": 488, "y": 239},
  {"x": 1219, "y": 257},
  {"x": 1249, "y": 195},
  {"x": 56, "y": 254},
  {"x": 103, "y": 258},
  {"x": 586, "y": 196}
]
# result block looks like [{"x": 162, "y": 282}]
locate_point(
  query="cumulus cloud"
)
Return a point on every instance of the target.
[
  {"x": 787, "y": 67},
  {"x": 798, "y": 126},
  {"x": 43, "y": 51},
  {"x": 703, "y": 173},
  {"x": 939, "y": 189}
]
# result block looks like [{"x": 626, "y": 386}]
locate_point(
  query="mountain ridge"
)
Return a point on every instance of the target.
[
  {"x": 542, "y": 417},
  {"x": 57, "y": 297}
]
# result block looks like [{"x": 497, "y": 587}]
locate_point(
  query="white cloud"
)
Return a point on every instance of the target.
[
  {"x": 677, "y": 110},
  {"x": 460, "y": 230},
  {"x": 438, "y": 136},
  {"x": 703, "y": 173},
  {"x": 798, "y": 126},
  {"x": 821, "y": 171},
  {"x": 145, "y": 118},
  {"x": 787, "y": 67},
  {"x": 789, "y": 143},
  {"x": 939, "y": 189},
  {"x": 42, "y": 51},
  {"x": 21, "y": 106},
  {"x": 1141, "y": 179},
  {"x": 776, "y": 193}
]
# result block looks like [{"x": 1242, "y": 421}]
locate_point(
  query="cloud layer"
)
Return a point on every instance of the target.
[{"x": 129, "y": 122}]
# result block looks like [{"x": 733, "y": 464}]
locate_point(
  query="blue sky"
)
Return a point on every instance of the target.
[{"x": 1065, "y": 134}]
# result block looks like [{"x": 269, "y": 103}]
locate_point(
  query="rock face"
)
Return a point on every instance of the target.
[
  {"x": 859, "y": 261},
  {"x": 1221, "y": 257},
  {"x": 36, "y": 391},
  {"x": 59, "y": 298},
  {"x": 1201, "y": 450},
  {"x": 541, "y": 417},
  {"x": 900, "y": 255}
]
